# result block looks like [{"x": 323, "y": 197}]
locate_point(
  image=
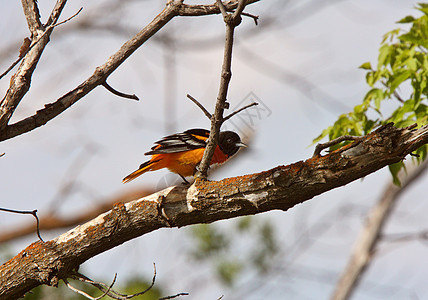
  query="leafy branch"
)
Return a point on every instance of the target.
[{"x": 402, "y": 65}]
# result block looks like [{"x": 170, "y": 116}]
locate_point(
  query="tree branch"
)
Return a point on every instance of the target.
[
  {"x": 369, "y": 236},
  {"x": 21, "y": 80},
  {"x": 118, "y": 93},
  {"x": 204, "y": 202},
  {"x": 28, "y": 212},
  {"x": 333, "y": 142},
  {"x": 239, "y": 110},
  {"x": 198, "y": 104},
  {"x": 231, "y": 21},
  {"x": 210, "y": 9},
  {"x": 27, "y": 45}
]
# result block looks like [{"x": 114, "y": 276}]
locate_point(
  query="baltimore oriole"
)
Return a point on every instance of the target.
[{"x": 181, "y": 153}]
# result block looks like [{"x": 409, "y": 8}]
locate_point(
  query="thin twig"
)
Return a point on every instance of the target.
[
  {"x": 395, "y": 93},
  {"x": 222, "y": 8},
  {"x": 80, "y": 292},
  {"x": 23, "y": 53},
  {"x": 206, "y": 112},
  {"x": 28, "y": 212},
  {"x": 117, "y": 93},
  {"x": 76, "y": 289},
  {"x": 404, "y": 237},
  {"x": 68, "y": 19},
  {"x": 255, "y": 18},
  {"x": 174, "y": 296},
  {"x": 2, "y": 154},
  {"x": 335, "y": 141},
  {"x": 239, "y": 110},
  {"x": 111, "y": 292},
  {"x": 237, "y": 13},
  {"x": 87, "y": 295}
]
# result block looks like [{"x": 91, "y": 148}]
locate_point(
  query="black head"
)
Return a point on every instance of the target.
[{"x": 229, "y": 142}]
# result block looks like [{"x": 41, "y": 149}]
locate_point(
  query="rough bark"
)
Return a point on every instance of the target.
[{"x": 204, "y": 202}]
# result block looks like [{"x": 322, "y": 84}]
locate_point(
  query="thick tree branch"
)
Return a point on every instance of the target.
[
  {"x": 364, "y": 246},
  {"x": 32, "y": 15},
  {"x": 204, "y": 202}
]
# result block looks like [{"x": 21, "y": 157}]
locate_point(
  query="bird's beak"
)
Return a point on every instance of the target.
[{"x": 241, "y": 144}]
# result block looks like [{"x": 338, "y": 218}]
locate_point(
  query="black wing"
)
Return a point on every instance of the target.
[{"x": 189, "y": 140}]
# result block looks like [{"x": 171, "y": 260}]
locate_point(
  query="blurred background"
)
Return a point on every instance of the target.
[{"x": 301, "y": 63}]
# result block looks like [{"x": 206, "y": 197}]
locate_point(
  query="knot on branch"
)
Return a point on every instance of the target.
[
  {"x": 232, "y": 20},
  {"x": 176, "y": 5},
  {"x": 226, "y": 75}
]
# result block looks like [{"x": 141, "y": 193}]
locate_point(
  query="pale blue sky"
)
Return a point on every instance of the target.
[{"x": 324, "y": 50}]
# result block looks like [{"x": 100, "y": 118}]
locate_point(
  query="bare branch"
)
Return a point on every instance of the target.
[
  {"x": 30, "y": 212},
  {"x": 365, "y": 244},
  {"x": 210, "y": 9},
  {"x": 174, "y": 296},
  {"x": 239, "y": 110},
  {"x": 21, "y": 80},
  {"x": 222, "y": 8},
  {"x": 27, "y": 46},
  {"x": 32, "y": 14},
  {"x": 206, "y": 201},
  {"x": 108, "y": 290},
  {"x": 255, "y": 18},
  {"x": 206, "y": 112},
  {"x": 405, "y": 237},
  {"x": 87, "y": 295},
  {"x": 117, "y": 93},
  {"x": 231, "y": 21}
]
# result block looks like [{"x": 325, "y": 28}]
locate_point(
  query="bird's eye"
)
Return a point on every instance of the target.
[{"x": 229, "y": 141}]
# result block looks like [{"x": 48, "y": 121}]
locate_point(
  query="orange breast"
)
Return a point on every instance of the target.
[{"x": 184, "y": 163}]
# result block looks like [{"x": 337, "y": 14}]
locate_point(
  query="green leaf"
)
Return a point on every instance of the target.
[
  {"x": 398, "y": 78},
  {"x": 323, "y": 134},
  {"x": 209, "y": 240},
  {"x": 407, "y": 19},
  {"x": 366, "y": 66},
  {"x": 228, "y": 271},
  {"x": 384, "y": 55},
  {"x": 244, "y": 223},
  {"x": 423, "y": 7},
  {"x": 394, "y": 169},
  {"x": 370, "y": 78}
]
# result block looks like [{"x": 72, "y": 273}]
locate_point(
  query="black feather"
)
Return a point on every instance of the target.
[{"x": 180, "y": 142}]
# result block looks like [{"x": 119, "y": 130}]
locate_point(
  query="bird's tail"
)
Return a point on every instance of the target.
[{"x": 145, "y": 167}]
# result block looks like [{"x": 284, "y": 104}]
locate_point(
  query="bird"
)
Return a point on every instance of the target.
[{"x": 181, "y": 153}]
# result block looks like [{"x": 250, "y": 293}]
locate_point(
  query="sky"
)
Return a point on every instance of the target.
[{"x": 301, "y": 63}]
